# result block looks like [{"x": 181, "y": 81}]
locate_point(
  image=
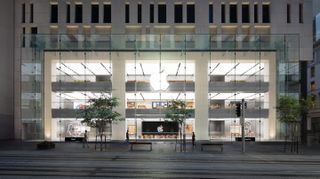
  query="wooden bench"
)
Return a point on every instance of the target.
[
  {"x": 140, "y": 143},
  {"x": 212, "y": 144}
]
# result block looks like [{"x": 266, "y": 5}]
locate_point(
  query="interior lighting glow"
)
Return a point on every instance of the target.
[{"x": 159, "y": 81}]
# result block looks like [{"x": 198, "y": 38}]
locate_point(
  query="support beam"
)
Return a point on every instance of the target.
[
  {"x": 119, "y": 91},
  {"x": 201, "y": 97}
]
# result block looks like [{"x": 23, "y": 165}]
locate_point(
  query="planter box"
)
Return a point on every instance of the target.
[{"x": 45, "y": 145}]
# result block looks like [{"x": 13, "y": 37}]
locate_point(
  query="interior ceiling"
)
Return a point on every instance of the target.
[
  {"x": 82, "y": 95},
  {"x": 77, "y": 95},
  {"x": 235, "y": 96},
  {"x": 177, "y": 68},
  {"x": 83, "y": 68}
]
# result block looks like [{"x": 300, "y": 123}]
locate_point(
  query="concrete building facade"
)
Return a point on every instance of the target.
[
  {"x": 7, "y": 29},
  {"x": 313, "y": 84},
  {"x": 210, "y": 54}
]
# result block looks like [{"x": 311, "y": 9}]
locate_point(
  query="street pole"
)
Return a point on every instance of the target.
[{"x": 242, "y": 126}]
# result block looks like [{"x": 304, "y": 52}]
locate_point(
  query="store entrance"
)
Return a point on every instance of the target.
[{"x": 157, "y": 129}]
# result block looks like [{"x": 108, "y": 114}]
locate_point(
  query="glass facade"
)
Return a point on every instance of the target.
[{"x": 211, "y": 73}]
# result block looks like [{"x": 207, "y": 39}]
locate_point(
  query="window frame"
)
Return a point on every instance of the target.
[
  {"x": 162, "y": 16},
  {"x": 245, "y": 13},
  {"x": 127, "y": 13},
  {"x": 233, "y": 13},
  {"x": 94, "y": 13},
  {"x": 191, "y": 13},
  {"x": 78, "y": 18},
  {"x": 178, "y": 13},
  {"x": 107, "y": 15},
  {"x": 266, "y": 18}
]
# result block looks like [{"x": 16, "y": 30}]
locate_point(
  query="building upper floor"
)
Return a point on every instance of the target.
[
  {"x": 140, "y": 17},
  {"x": 143, "y": 16}
]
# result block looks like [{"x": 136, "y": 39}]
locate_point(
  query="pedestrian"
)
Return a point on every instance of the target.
[
  {"x": 85, "y": 140},
  {"x": 193, "y": 139},
  {"x": 127, "y": 136}
]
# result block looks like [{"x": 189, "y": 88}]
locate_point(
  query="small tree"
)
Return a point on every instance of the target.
[
  {"x": 291, "y": 111},
  {"x": 99, "y": 113},
  {"x": 177, "y": 112}
]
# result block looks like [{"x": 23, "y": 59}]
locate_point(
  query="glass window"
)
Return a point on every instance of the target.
[
  {"x": 107, "y": 13},
  {"x": 162, "y": 13},
  {"x": 94, "y": 13},
  {"x": 233, "y": 13},
  {"x": 31, "y": 13},
  {"x": 54, "y": 13},
  {"x": 127, "y": 13},
  {"x": 223, "y": 13},
  {"x": 190, "y": 13},
  {"x": 23, "y": 20},
  {"x": 312, "y": 86},
  {"x": 68, "y": 13},
  {"x": 265, "y": 13},
  {"x": 300, "y": 13},
  {"x": 312, "y": 71},
  {"x": 288, "y": 13},
  {"x": 210, "y": 13},
  {"x": 78, "y": 13},
  {"x": 139, "y": 13},
  {"x": 24, "y": 38},
  {"x": 178, "y": 16},
  {"x": 256, "y": 14},
  {"x": 151, "y": 13},
  {"x": 245, "y": 13},
  {"x": 34, "y": 30}
]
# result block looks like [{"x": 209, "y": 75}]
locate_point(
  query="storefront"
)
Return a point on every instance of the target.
[{"x": 59, "y": 74}]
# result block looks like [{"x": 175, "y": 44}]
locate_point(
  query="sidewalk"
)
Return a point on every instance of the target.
[
  {"x": 166, "y": 147},
  {"x": 262, "y": 160}
]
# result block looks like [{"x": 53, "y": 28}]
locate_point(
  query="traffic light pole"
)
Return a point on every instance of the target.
[{"x": 242, "y": 126}]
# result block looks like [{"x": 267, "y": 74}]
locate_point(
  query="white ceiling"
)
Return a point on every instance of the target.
[
  {"x": 234, "y": 69},
  {"x": 235, "y": 96},
  {"x": 156, "y": 96},
  {"x": 82, "y": 69},
  {"x": 152, "y": 68},
  {"x": 77, "y": 95},
  {"x": 167, "y": 68}
]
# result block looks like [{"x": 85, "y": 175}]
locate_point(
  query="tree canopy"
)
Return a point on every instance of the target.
[
  {"x": 100, "y": 111},
  {"x": 291, "y": 109},
  {"x": 177, "y": 111}
]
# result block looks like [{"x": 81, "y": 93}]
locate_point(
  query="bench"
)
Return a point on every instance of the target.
[
  {"x": 247, "y": 139},
  {"x": 212, "y": 144},
  {"x": 140, "y": 143},
  {"x": 73, "y": 139}
]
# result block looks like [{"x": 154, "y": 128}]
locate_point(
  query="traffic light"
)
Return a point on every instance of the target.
[{"x": 238, "y": 109}]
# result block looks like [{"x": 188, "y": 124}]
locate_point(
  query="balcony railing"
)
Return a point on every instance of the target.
[
  {"x": 197, "y": 42},
  {"x": 160, "y": 113}
]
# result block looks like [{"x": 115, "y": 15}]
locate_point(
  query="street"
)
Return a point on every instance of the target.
[{"x": 71, "y": 160}]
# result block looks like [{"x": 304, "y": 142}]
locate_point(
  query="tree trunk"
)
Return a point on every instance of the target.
[
  {"x": 101, "y": 134},
  {"x": 286, "y": 138},
  {"x": 180, "y": 133},
  {"x": 184, "y": 137}
]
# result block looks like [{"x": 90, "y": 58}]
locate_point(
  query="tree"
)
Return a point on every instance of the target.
[
  {"x": 99, "y": 113},
  {"x": 290, "y": 111},
  {"x": 177, "y": 112}
]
